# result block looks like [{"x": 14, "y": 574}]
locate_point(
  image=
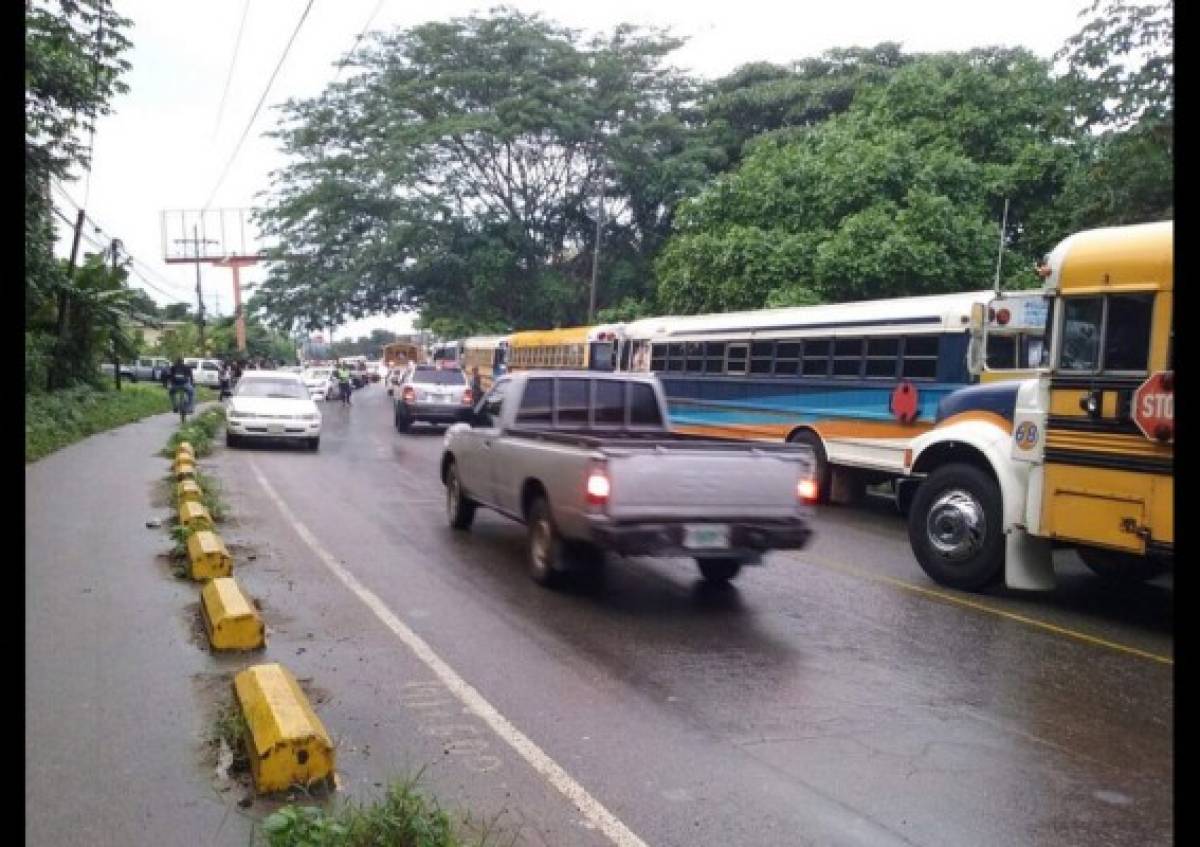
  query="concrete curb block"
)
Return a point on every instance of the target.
[
  {"x": 285, "y": 740},
  {"x": 230, "y": 618},
  {"x": 207, "y": 556},
  {"x": 183, "y": 469},
  {"x": 188, "y": 490},
  {"x": 194, "y": 516}
]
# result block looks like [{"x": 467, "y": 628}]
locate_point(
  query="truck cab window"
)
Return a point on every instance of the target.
[{"x": 535, "y": 403}]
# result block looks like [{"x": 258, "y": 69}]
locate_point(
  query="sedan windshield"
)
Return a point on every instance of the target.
[{"x": 287, "y": 389}]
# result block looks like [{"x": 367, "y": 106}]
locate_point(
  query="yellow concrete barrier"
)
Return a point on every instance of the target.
[
  {"x": 207, "y": 556},
  {"x": 185, "y": 447},
  {"x": 188, "y": 490},
  {"x": 183, "y": 470},
  {"x": 285, "y": 741},
  {"x": 194, "y": 516},
  {"x": 187, "y": 452},
  {"x": 230, "y": 618}
]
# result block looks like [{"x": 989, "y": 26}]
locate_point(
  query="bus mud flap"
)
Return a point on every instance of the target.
[{"x": 1028, "y": 562}]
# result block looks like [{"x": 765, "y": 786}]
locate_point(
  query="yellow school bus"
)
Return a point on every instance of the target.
[
  {"x": 1080, "y": 456},
  {"x": 571, "y": 348}
]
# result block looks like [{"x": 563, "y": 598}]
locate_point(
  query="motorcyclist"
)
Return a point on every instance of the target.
[{"x": 181, "y": 379}]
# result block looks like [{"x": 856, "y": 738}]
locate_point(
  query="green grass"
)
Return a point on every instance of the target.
[
  {"x": 52, "y": 421},
  {"x": 402, "y": 817},
  {"x": 210, "y": 496},
  {"x": 199, "y": 431}
]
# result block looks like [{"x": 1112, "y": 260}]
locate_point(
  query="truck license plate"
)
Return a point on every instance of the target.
[{"x": 705, "y": 536}]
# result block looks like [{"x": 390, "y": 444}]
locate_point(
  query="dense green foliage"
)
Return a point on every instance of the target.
[
  {"x": 457, "y": 172},
  {"x": 52, "y": 421},
  {"x": 73, "y": 65}
]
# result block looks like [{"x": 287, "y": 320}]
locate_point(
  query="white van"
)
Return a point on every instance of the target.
[{"x": 205, "y": 371}]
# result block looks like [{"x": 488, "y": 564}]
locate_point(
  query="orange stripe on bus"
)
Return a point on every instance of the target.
[{"x": 980, "y": 416}]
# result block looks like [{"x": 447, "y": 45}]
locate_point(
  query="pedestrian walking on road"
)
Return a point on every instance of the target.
[{"x": 343, "y": 378}]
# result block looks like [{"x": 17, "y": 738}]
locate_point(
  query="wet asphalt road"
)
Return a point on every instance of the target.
[{"x": 833, "y": 696}]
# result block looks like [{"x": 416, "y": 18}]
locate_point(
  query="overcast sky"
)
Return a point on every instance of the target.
[{"x": 164, "y": 149}]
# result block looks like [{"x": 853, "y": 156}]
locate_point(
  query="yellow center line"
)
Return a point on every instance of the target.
[{"x": 984, "y": 607}]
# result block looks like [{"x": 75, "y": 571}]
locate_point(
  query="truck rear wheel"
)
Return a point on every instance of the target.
[
  {"x": 719, "y": 570},
  {"x": 545, "y": 546},
  {"x": 460, "y": 509},
  {"x": 1123, "y": 568},
  {"x": 955, "y": 526}
]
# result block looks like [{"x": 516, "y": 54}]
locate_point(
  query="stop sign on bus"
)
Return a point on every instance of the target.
[{"x": 1154, "y": 407}]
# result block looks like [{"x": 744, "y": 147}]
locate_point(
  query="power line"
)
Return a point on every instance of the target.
[
  {"x": 361, "y": 35},
  {"x": 246, "y": 132},
  {"x": 232, "y": 63}
]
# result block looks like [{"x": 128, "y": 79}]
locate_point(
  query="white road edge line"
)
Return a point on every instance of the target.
[{"x": 589, "y": 806}]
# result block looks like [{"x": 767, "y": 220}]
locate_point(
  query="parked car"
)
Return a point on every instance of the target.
[
  {"x": 320, "y": 383},
  {"x": 589, "y": 464},
  {"x": 272, "y": 404},
  {"x": 375, "y": 371},
  {"x": 432, "y": 395},
  {"x": 395, "y": 377},
  {"x": 149, "y": 368},
  {"x": 205, "y": 371}
]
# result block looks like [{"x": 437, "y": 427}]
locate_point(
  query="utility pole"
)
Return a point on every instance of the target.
[
  {"x": 599, "y": 227},
  {"x": 113, "y": 248},
  {"x": 196, "y": 240}
]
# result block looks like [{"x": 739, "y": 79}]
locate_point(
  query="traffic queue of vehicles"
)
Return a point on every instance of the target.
[{"x": 1007, "y": 424}]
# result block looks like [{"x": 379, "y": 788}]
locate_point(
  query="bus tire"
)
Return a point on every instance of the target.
[
  {"x": 822, "y": 471},
  {"x": 1122, "y": 568},
  {"x": 955, "y": 527}
]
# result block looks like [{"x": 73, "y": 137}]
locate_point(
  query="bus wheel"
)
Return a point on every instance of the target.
[
  {"x": 822, "y": 471},
  {"x": 1126, "y": 568},
  {"x": 955, "y": 526}
]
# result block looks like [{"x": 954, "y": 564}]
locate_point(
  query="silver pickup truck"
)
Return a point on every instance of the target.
[{"x": 589, "y": 463}]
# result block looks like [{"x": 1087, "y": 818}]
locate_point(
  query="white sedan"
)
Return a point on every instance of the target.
[
  {"x": 320, "y": 383},
  {"x": 272, "y": 404}
]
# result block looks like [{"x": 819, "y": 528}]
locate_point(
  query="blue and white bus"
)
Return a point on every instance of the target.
[{"x": 855, "y": 381}]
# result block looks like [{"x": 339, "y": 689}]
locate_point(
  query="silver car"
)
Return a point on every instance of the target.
[{"x": 429, "y": 394}]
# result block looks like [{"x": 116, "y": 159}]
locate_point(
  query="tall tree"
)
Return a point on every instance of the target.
[{"x": 464, "y": 164}]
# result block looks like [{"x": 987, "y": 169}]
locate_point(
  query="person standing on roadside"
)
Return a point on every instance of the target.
[{"x": 343, "y": 378}]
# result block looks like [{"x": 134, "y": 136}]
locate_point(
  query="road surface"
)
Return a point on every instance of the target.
[{"x": 833, "y": 696}]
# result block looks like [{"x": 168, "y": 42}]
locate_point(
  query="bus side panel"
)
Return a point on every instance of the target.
[{"x": 1109, "y": 507}]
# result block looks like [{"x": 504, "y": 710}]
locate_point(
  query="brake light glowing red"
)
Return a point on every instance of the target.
[
  {"x": 598, "y": 488},
  {"x": 409, "y": 394},
  {"x": 467, "y": 398},
  {"x": 807, "y": 490}
]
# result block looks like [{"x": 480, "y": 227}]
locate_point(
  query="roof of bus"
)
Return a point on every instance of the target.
[
  {"x": 549, "y": 337},
  {"x": 945, "y": 311},
  {"x": 1138, "y": 257},
  {"x": 484, "y": 341}
]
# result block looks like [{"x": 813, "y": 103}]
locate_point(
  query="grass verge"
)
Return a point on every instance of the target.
[
  {"x": 52, "y": 421},
  {"x": 402, "y": 817}
]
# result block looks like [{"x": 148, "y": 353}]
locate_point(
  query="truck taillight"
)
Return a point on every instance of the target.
[
  {"x": 409, "y": 394},
  {"x": 468, "y": 398},
  {"x": 598, "y": 487},
  {"x": 807, "y": 490}
]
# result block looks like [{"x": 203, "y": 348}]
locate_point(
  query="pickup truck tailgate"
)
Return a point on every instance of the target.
[{"x": 682, "y": 483}]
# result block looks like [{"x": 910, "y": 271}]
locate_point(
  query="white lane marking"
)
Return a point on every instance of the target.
[{"x": 616, "y": 831}]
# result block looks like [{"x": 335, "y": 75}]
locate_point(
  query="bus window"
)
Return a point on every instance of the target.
[
  {"x": 1082, "y": 318},
  {"x": 883, "y": 357},
  {"x": 816, "y": 357},
  {"x": 762, "y": 353},
  {"x": 1001, "y": 351},
  {"x": 675, "y": 357},
  {"x": 735, "y": 358},
  {"x": 787, "y": 358},
  {"x": 1034, "y": 351},
  {"x": 626, "y": 356},
  {"x": 847, "y": 356},
  {"x": 601, "y": 357},
  {"x": 658, "y": 358},
  {"x": 714, "y": 357},
  {"x": 695, "y": 356},
  {"x": 1127, "y": 333},
  {"x": 920, "y": 357}
]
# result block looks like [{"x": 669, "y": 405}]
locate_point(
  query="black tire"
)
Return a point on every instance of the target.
[
  {"x": 403, "y": 421},
  {"x": 460, "y": 509},
  {"x": 822, "y": 471},
  {"x": 956, "y": 527},
  {"x": 314, "y": 444},
  {"x": 232, "y": 441},
  {"x": 544, "y": 552},
  {"x": 1123, "y": 568},
  {"x": 719, "y": 570}
]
